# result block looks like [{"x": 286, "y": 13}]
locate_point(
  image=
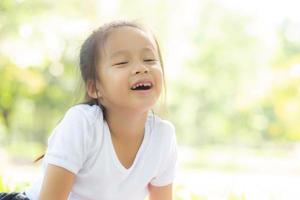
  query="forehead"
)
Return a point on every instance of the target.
[{"x": 128, "y": 39}]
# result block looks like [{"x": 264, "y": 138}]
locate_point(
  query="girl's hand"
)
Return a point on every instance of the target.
[
  {"x": 57, "y": 183},
  {"x": 160, "y": 193}
]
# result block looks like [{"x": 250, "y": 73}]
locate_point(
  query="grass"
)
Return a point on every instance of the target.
[
  {"x": 12, "y": 187},
  {"x": 3, "y": 186}
]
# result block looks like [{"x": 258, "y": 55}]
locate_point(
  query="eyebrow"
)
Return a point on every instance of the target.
[{"x": 120, "y": 52}]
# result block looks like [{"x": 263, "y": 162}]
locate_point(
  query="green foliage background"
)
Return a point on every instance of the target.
[{"x": 209, "y": 100}]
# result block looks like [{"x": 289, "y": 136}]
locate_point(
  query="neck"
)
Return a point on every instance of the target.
[{"x": 126, "y": 125}]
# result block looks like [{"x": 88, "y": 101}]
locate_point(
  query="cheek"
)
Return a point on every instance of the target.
[
  {"x": 115, "y": 77},
  {"x": 109, "y": 82},
  {"x": 159, "y": 77}
]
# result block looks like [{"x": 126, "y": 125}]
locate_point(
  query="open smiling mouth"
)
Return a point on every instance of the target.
[{"x": 142, "y": 86}]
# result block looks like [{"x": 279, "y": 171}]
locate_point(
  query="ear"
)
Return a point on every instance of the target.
[{"x": 92, "y": 89}]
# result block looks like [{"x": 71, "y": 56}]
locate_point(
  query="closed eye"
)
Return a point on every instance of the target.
[
  {"x": 150, "y": 60},
  {"x": 120, "y": 63}
]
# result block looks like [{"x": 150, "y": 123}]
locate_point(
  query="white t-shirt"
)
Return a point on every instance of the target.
[{"x": 81, "y": 143}]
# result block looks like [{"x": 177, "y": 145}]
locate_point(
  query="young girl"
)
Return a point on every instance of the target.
[{"x": 113, "y": 147}]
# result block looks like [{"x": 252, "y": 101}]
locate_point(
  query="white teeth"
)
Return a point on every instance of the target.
[{"x": 141, "y": 84}]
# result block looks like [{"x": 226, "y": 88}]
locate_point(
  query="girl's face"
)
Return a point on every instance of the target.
[{"x": 130, "y": 73}]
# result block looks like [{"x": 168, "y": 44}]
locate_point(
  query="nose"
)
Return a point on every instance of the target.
[{"x": 141, "y": 69}]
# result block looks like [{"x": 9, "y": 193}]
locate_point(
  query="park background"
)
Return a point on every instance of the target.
[{"x": 233, "y": 88}]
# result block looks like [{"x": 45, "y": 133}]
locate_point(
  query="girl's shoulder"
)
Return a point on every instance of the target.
[
  {"x": 163, "y": 130},
  {"x": 85, "y": 112},
  {"x": 79, "y": 126},
  {"x": 82, "y": 120}
]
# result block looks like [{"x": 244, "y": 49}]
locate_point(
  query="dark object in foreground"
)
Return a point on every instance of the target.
[{"x": 13, "y": 196}]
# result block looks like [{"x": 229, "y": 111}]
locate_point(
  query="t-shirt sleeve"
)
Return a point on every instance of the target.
[
  {"x": 167, "y": 170},
  {"x": 66, "y": 145}
]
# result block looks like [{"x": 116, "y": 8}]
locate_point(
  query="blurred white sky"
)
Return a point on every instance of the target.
[{"x": 268, "y": 10}]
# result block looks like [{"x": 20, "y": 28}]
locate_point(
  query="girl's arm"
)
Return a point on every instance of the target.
[
  {"x": 160, "y": 193},
  {"x": 57, "y": 183}
]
